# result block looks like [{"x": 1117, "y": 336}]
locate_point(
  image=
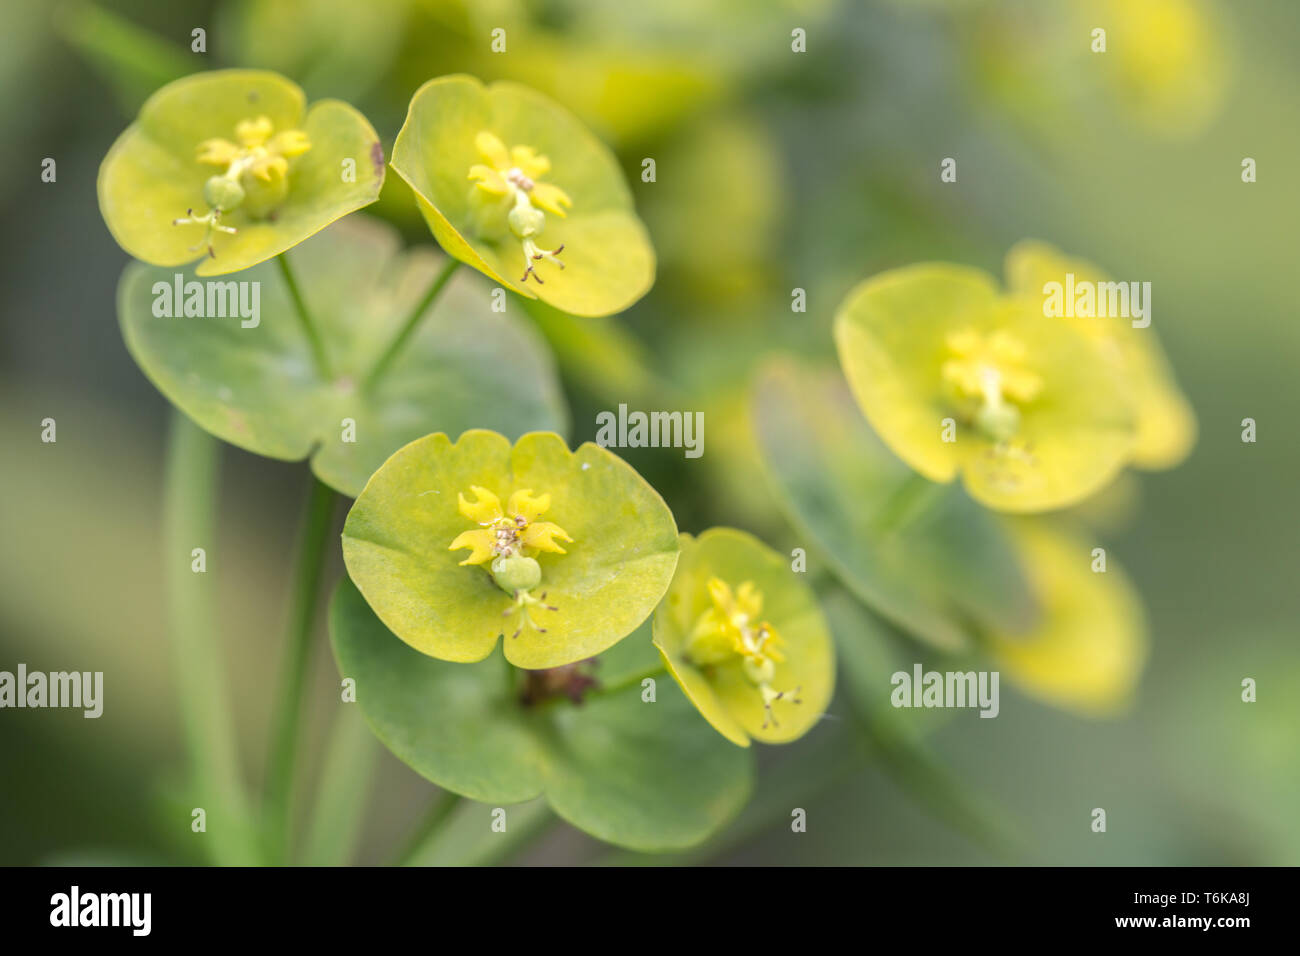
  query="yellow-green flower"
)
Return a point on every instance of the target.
[
  {"x": 1087, "y": 652},
  {"x": 255, "y": 175},
  {"x": 957, "y": 378},
  {"x": 743, "y": 636},
  {"x": 507, "y": 179},
  {"x": 232, "y": 166},
  {"x": 1165, "y": 424},
  {"x": 553, "y": 591},
  {"x": 510, "y": 539}
]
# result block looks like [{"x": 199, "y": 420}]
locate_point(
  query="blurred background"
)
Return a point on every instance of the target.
[{"x": 775, "y": 170}]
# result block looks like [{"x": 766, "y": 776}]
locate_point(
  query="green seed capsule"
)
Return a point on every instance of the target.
[
  {"x": 760, "y": 670},
  {"x": 222, "y": 193},
  {"x": 999, "y": 422},
  {"x": 526, "y": 221},
  {"x": 516, "y": 573}
]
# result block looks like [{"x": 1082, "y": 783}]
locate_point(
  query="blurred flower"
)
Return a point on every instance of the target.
[
  {"x": 744, "y": 638},
  {"x": 1166, "y": 426},
  {"x": 1088, "y": 650},
  {"x": 955, "y": 377}
]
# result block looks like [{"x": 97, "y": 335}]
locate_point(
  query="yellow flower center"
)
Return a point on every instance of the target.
[
  {"x": 260, "y": 151},
  {"x": 509, "y": 182},
  {"x": 510, "y": 538},
  {"x": 263, "y": 155},
  {"x": 990, "y": 374},
  {"x": 732, "y": 630}
]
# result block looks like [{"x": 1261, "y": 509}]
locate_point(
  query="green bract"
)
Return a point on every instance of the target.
[
  {"x": 607, "y": 547},
  {"x": 260, "y": 387},
  {"x": 292, "y": 189},
  {"x": 744, "y": 637},
  {"x": 923, "y": 555},
  {"x": 646, "y": 775},
  {"x": 521, "y": 147}
]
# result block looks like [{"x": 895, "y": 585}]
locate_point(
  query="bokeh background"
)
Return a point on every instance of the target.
[{"x": 776, "y": 170}]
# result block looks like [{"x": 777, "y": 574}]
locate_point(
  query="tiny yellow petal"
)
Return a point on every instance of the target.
[
  {"x": 523, "y": 505},
  {"x": 479, "y": 541},
  {"x": 542, "y": 535},
  {"x": 529, "y": 162},
  {"x": 218, "y": 152},
  {"x": 492, "y": 149},
  {"x": 483, "y": 511},
  {"x": 551, "y": 198},
  {"x": 488, "y": 179},
  {"x": 254, "y": 132},
  {"x": 290, "y": 143},
  {"x": 749, "y": 599}
]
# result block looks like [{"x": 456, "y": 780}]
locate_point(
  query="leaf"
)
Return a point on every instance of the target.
[
  {"x": 609, "y": 262},
  {"x": 934, "y": 572},
  {"x": 397, "y": 539},
  {"x": 260, "y": 389},
  {"x": 151, "y": 174},
  {"x": 649, "y": 776}
]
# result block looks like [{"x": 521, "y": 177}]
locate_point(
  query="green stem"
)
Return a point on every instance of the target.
[
  {"x": 632, "y": 680},
  {"x": 342, "y": 791},
  {"x": 304, "y": 316},
  {"x": 915, "y": 496},
  {"x": 430, "y": 829},
  {"x": 412, "y": 321},
  {"x": 190, "y": 520},
  {"x": 313, "y": 533}
]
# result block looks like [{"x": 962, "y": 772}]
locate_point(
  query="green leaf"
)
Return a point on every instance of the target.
[
  {"x": 152, "y": 176},
  {"x": 260, "y": 389},
  {"x": 609, "y": 262},
  {"x": 649, "y": 776},
  {"x": 397, "y": 539},
  {"x": 934, "y": 567}
]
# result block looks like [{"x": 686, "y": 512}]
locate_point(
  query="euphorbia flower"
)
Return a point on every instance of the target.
[
  {"x": 511, "y": 184},
  {"x": 506, "y": 179},
  {"x": 287, "y": 173},
  {"x": 405, "y": 538},
  {"x": 1165, "y": 424},
  {"x": 956, "y": 377},
  {"x": 744, "y": 638},
  {"x": 510, "y": 539}
]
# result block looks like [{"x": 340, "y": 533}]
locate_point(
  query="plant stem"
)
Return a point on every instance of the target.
[
  {"x": 190, "y": 518},
  {"x": 342, "y": 791},
  {"x": 430, "y": 828},
  {"x": 913, "y": 497},
  {"x": 632, "y": 680},
  {"x": 308, "y": 562},
  {"x": 304, "y": 316},
  {"x": 412, "y": 321}
]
